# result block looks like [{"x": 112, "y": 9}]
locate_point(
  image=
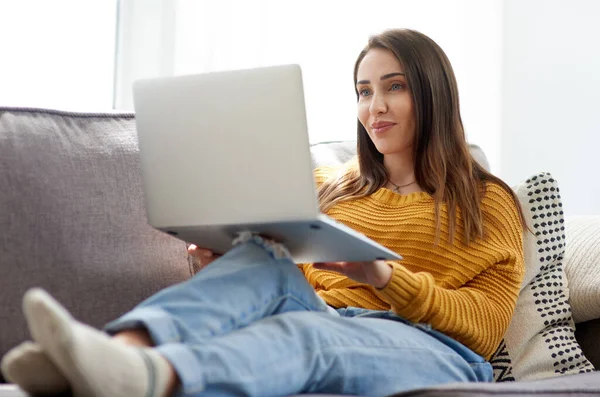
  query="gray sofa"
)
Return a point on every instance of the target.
[{"x": 72, "y": 221}]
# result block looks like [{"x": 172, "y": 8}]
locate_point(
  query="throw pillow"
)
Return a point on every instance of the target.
[
  {"x": 582, "y": 265},
  {"x": 540, "y": 341}
]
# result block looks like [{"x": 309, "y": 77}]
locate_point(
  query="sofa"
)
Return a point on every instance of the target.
[{"x": 72, "y": 221}]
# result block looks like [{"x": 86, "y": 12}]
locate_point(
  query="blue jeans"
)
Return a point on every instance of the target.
[{"x": 250, "y": 324}]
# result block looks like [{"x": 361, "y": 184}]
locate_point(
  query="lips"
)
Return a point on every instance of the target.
[{"x": 382, "y": 126}]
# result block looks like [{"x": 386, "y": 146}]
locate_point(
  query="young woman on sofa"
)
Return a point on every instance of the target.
[{"x": 253, "y": 323}]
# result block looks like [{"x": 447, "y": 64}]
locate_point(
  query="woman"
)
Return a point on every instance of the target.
[{"x": 251, "y": 323}]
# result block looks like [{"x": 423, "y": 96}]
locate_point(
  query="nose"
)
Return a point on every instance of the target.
[{"x": 378, "y": 105}]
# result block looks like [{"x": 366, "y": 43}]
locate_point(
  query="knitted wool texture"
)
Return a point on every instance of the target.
[{"x": 467, "y": 292}]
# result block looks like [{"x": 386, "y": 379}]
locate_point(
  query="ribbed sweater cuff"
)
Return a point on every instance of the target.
[{"x": 407, "y": 292}]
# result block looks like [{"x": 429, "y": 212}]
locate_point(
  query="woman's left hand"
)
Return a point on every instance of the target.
[{"x": 376, "y": 273}]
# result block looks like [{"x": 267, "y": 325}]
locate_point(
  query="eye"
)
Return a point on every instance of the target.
[
  {"x": 396, "y": 87},
  {"x": 364, "y": 92}
]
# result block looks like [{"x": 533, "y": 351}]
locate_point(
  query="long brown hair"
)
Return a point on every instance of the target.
[{"x": 444, "y": 167}]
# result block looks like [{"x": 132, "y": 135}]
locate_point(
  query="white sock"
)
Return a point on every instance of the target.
[
  {"x": 28, "y": 366},
  {"x": 94, "y": 364}
]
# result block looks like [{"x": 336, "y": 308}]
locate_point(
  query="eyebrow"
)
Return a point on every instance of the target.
[{"x": 384, "y": 77}]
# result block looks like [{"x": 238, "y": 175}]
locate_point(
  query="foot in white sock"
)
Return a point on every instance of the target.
[
  {"x": 94, "y": 364},
  {"x": 28, "y": 366}
]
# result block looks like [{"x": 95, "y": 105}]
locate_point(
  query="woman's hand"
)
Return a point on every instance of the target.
[
  {"x": 376, "y": 273},
  {"x": 204, "y": 256}
]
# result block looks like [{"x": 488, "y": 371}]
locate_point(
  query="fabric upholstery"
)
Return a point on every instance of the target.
[
  {"x": 586, "y": 385},
  {"x": 583, "y": 385},
  {"x": 72, "y": 221},
  {"x": 582, "y": 264},
  {"x": 72, "y": 218},
  {"x": 338, "y": 152},
  {"x": 332, "y": 153},
  {"x": 540, "y": 341}
]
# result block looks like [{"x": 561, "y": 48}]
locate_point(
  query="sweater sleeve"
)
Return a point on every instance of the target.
[{"x": 478, "y": 312}]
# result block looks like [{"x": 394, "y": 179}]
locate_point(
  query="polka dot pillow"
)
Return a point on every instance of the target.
[{"x": 540, "y": 341}]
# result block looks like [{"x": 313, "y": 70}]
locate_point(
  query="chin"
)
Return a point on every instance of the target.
[
  {"x": 389, "y": 144},
  {"x": 386, "y": 148}
]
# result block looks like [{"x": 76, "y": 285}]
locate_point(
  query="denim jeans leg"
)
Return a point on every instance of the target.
[
  {"x": 310, "y": 352},
  {"x": 244, "y": 285}
]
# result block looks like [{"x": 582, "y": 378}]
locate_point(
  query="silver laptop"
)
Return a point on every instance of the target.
[{"x": 227, "y": 152}]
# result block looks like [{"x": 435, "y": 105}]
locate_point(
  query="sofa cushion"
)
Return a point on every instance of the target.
[
  {"x": 72, "y": 218},
  {"x": 540, "y": 341},
  {"x": 582, "y": 264},
  {"x": 338, "y": 152},
  {"x": 587, "y": 385},
  {"x": 332, "y": 153},
  {"x": 582, "y": 385}
]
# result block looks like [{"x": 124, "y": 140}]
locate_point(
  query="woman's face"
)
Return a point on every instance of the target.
[{"x": 385, "y": 104}]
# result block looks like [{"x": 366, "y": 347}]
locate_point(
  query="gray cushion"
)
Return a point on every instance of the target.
[
  {"x": 338, "y": 152},
  {"x": 332, "y": 153},
  {"x": 72, "y": 218},
  {"x": 572, "y": 385}
]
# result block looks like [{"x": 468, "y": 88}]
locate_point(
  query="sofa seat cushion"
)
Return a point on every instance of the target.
[{"x": 581, "y": 385}]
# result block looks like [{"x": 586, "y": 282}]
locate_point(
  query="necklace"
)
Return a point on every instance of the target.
[{"x": 397, "y": 187}]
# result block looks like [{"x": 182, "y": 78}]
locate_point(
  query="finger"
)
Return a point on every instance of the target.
[
  {"x": 199, "y": 252},
  {"x": 335, "y": 266}
]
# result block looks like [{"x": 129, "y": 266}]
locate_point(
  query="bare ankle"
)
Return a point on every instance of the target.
[{"x": 135, "y": 337}]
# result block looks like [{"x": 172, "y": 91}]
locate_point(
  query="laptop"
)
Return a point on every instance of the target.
[{"x": 227, "y": 152}]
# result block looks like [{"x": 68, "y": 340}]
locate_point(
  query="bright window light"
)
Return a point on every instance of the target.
[{"x": 58, "y": 54}]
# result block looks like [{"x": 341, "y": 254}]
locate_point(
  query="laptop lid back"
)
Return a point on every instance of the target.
[{"x": 225, "y": 148}]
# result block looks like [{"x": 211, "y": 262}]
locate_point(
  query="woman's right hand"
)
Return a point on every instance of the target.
[{"x": 204, "y": 256}]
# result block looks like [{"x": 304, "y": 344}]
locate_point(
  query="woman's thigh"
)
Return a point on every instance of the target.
[
  {"x": 244, "y": 286},
  {"x": 317, "y": 352}
]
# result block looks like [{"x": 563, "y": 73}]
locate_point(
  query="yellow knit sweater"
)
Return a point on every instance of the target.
[{"x": 467, "y": 292}]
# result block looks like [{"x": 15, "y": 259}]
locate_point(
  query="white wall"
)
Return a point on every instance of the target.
[
  {"x": 166, "y": 37},
  {"x": 145, "y": 45},
  {"x": 551, "y": 97},
  {"x": 57, "y": 54}
]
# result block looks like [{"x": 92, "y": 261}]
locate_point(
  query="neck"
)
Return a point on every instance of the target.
[{"x": 400, "y": 168}]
